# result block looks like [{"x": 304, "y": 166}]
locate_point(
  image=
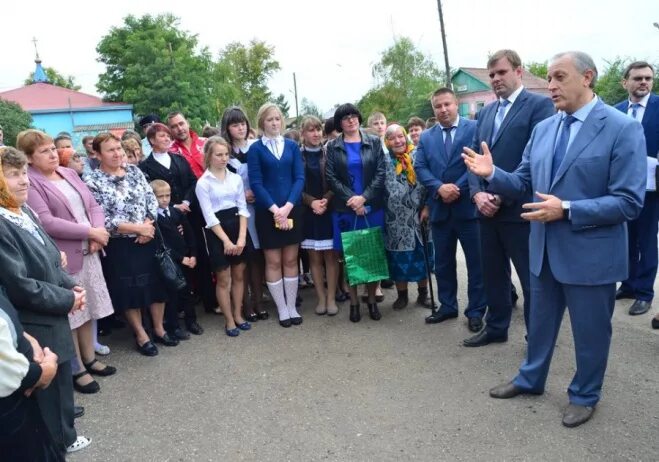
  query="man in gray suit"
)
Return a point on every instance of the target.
[
  {"x": 586, "y": 166},
  {"x": 505, "y": 125}
]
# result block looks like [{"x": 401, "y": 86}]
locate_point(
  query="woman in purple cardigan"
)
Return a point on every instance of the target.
[{"x": 72, "y": 217}]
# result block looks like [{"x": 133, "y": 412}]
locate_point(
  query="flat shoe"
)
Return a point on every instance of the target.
[
  {"x": 576, "y": 415},
  {"x": 655, "y": 323},
  {"x": 252, "y": 317},
  {"x": 194, "y": 328},
  {"x": 106, "y": 371},
  {"x": 180, "y": 334},
  {"x": 296, "y": 321},
  {"x": 235, "y": 332},
  {"x": 263, "y": 315},
  {"x": 80, "y": 443},
  {"x": 102, "y": 350},
  {"x": 286, "y": 323},
  {"x": 88, "y": 389},
  {"x": 244, "y": 326},
  {"x": 148, "y": 348},
  {"x": 165, "y": 340}
]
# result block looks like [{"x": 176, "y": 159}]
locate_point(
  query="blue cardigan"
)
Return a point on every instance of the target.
[{"x": 275, "y": 181}]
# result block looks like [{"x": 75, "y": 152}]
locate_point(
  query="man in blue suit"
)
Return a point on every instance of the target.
[
  {"x": 506, "y": 125},
  {"x": 643, "y": 106},
  {"x": 439, "y": 167},
  {"x": 586, "y": 165}
]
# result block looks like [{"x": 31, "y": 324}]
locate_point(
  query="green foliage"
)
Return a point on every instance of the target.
[
  {"x": 13, "y": 120},
  {"x": 537, "y": 69},
  {"x": 241, "y": 76},
  {"x": 55, "y": 78},
  {"x": 283, "y": 105},
  {"x": 609, "y": 83},
  {"x": 158, "y": 68},
  {"x": 405, "y": 80}
]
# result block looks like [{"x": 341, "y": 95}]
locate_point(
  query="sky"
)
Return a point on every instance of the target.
[{"x": 331, "y": 46}]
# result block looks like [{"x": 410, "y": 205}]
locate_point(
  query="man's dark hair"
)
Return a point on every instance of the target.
[{"x": 636, "y": 65}]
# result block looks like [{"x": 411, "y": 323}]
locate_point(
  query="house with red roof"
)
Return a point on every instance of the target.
[
  {"x": 472, "y": 87},
  {"x": 57, "y": 109}
]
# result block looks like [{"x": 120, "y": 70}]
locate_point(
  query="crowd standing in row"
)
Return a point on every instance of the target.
[{"x": 552, "y": 192}]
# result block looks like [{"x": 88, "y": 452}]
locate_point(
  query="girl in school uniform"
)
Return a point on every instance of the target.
[{"x": 276, "y": 175}]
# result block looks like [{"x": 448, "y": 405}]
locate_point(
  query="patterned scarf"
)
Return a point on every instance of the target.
[{"x": 403, "y": 164}]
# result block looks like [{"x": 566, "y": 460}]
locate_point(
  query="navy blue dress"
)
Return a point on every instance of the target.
[{"x": 318, "y": 229}]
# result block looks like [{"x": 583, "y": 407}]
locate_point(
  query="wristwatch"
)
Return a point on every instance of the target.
[{"x": 565, "y": 205}]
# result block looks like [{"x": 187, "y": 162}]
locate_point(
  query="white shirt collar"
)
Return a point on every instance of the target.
[
  {"x": 454, "y": 124},
  {"x": 513, "y": 96},
  {"x": 643, "y": 102}
]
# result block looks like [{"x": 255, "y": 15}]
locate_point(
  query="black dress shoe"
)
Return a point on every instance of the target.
[
  {"x": 620, "y": 294},
  {"x": 194, "y": 328},
  {"x": 179, "y": 334},
  {"x": 374, "y": 312},
  {"x": 296, "y": 321},
  {"x": 286, "y": 323},
  {"x": 252, "y": 317},
  {"x": 438, "y": 316},
  {"x": 483, "y": 338},
  {"x": 106, "y": 371},
  {"x": 263, "y": 315},
  {"x": 88, "y": 389},
  {"x": 576, "y": 415},
  {"x": 78, "y": 411},
  {"x": 639, "y": 307},
  {"x": 355, "y": 315},
  {"x": 655, "y": 323},
  {"x": 400, "y": 303},
  {"x": 165, "y": 340},
  {"x": 475, "y": 323},
  {"x": 148, "y": 348},
  {"x": 506, "y": 391}
]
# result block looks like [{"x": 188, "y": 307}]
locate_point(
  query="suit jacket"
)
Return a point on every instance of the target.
[
  {"x": 275, "y": 181},
  {"x": 650, "y": 123},
  {"x": 179, "y": 246},
  {"x": 434, "y": 167},
  {"x": 508, "y": 145},
  {"x": 179, "y": 176},
  {"x": 603, "y": 175},
  {"x": 56, "y": 214},
  {"x": 37, "y": 286}
]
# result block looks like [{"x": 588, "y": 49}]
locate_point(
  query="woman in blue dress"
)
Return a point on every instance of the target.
[{"x": 356, "y": 173}]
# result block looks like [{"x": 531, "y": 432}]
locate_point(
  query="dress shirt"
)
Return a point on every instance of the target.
[
  {"x": 215, "y": 195},
  {"x": 163, "y": 212},
  {"x": 511, "y": 99},
  {"x": 454, "y": 127},
  {"x": 163, "y": 159},
  {"x": 275, "y": 145},
  {"x": 14, "y": 366},
  {"x": 643, "y": 103}
]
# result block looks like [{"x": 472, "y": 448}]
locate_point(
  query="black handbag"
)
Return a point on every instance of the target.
[{"x": 169, "y": 270}]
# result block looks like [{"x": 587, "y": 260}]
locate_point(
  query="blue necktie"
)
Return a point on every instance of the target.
[
  {"x": 498, "y": 119},
  {"x": 561, "y": 146},
  {"x": 448, "y": 142},
  {"x": 635, "y": 107}
]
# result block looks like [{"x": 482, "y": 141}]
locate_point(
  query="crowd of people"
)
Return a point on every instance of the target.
[{"x": 552, "y": 184}]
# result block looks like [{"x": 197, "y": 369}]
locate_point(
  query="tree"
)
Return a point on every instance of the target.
[
  {"x": 308, "y": 107},
  {"x": 55, "y": 78},
  {"x": 13, "y": 120},
  {"x": 158, "y": 68},
  {"x": 609, "y": 83},
  {"x": 538, "y": 69},
  {"x": 242, "y": 73},
  {"x": 282, "y": 103},
  {"x": 405, "y": 79}
]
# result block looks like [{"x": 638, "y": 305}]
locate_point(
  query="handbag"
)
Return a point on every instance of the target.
[
  {"x": 364, "y": 255},
  {"x": 169, "y": 270}
]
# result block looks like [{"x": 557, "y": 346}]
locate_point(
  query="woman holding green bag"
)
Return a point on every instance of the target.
[{"x": 356, "y": 173}]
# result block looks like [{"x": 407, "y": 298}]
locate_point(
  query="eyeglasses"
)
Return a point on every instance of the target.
[{"x": 349, "y": 117}]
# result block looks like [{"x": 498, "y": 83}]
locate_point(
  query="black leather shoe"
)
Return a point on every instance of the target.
[
  {"x": 263, "y": 315},
  {"x": 165, "y": 340},
  {"x": 194, "y": 328},
  {"x": 88, "y": 389},
  {"x": 506, "y": 391},
  {"x": 438, "y": 316},
  {"x": 576, "y": 415},
  {"x": 78, "y": 411},
  {"x": 620, "y": 294},
  {"x": 296, "y": 321},
  {"x": 400, "y": 303},
  {"x": 422, "y": 300},
  {"x": 655, "y": 323},
  {"x": 179, "y": 334},
  {"x": 639, "y": 307},
  {"x": 483, "y": 338},
  {"x": 252, "y": 317},
  {"x": 106, "y": 371},
  {"x": 148, "y": 348},
  {"x": 355, "y": 315},
  {"x": 286, "y": 323},
  {"x": 475, "y": 323},
  {"x": 374, "y": 312}
]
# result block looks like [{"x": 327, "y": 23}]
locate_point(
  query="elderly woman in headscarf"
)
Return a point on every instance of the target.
[
  {"x": 405, "y": 209},
  {"x": 42, "y": 292}
]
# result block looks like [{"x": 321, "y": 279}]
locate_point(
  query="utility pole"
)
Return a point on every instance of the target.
[
  {"x": 297, "y": 113},
  {"x": 441, "y": 25}
]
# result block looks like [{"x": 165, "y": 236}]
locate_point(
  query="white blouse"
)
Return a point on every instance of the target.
[
  {"x": 274, "y": 145},
  {"x": 215, "y": 195}
]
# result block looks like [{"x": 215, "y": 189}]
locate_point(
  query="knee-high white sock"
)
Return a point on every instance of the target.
[
  {"x": 277, "y": 292},
  {"x": 290, "y": 286}
]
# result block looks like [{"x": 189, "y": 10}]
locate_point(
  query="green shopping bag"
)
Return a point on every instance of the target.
[{"x": 364, "y": 255}]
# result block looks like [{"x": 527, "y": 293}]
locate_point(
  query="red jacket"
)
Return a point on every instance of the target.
[{"x": 194, "y": 156}]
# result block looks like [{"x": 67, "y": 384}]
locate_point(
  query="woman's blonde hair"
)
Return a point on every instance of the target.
[
  {"x": 208, "y": 148},
  {"x": 263, "y": 113}
]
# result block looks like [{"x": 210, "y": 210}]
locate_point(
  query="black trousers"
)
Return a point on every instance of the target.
[
  {"x": 203, "y": 274},
  {"x": 501, "y": 243},
  {"x": 182, "y": 300},
  {"x": 56, "y": 406}
]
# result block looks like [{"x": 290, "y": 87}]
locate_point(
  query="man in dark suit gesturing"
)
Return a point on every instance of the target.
[
  {"x": 643, "y": 106},
  {"x": 586, "y": 166},
  {"x": 506, "y": 125},
  {"x": 440, "y": 169}
]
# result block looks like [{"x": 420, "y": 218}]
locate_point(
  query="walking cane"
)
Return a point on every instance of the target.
[{"x": 426, "y": 258}]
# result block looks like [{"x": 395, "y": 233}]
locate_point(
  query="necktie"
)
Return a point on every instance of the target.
[
  {"x": 498, "y": 119},
  {"x": 166, "y": 212},
  {"x": 561, "y": 146},
  {"x": 635, "y": 107},
  {"x": 273, "y": 144},
  {"x": 448, "y": 142}
]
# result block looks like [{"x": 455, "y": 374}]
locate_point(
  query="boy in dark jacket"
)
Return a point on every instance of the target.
[{"x": 178, "y": 236}]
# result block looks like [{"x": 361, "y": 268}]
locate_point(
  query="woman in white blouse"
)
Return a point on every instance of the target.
[{"x": 221, "y": 196}]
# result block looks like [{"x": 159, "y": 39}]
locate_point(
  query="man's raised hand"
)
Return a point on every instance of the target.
[{"x": 480, "y": 165}]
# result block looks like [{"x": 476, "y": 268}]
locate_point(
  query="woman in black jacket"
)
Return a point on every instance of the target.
[{"x": 356, "y": 173}]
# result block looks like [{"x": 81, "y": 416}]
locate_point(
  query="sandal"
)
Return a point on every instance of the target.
[
  {"x": 107, "y": 370},
  {"x": 88, "y": 389},
  {"x": 80, "y": 443}
]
